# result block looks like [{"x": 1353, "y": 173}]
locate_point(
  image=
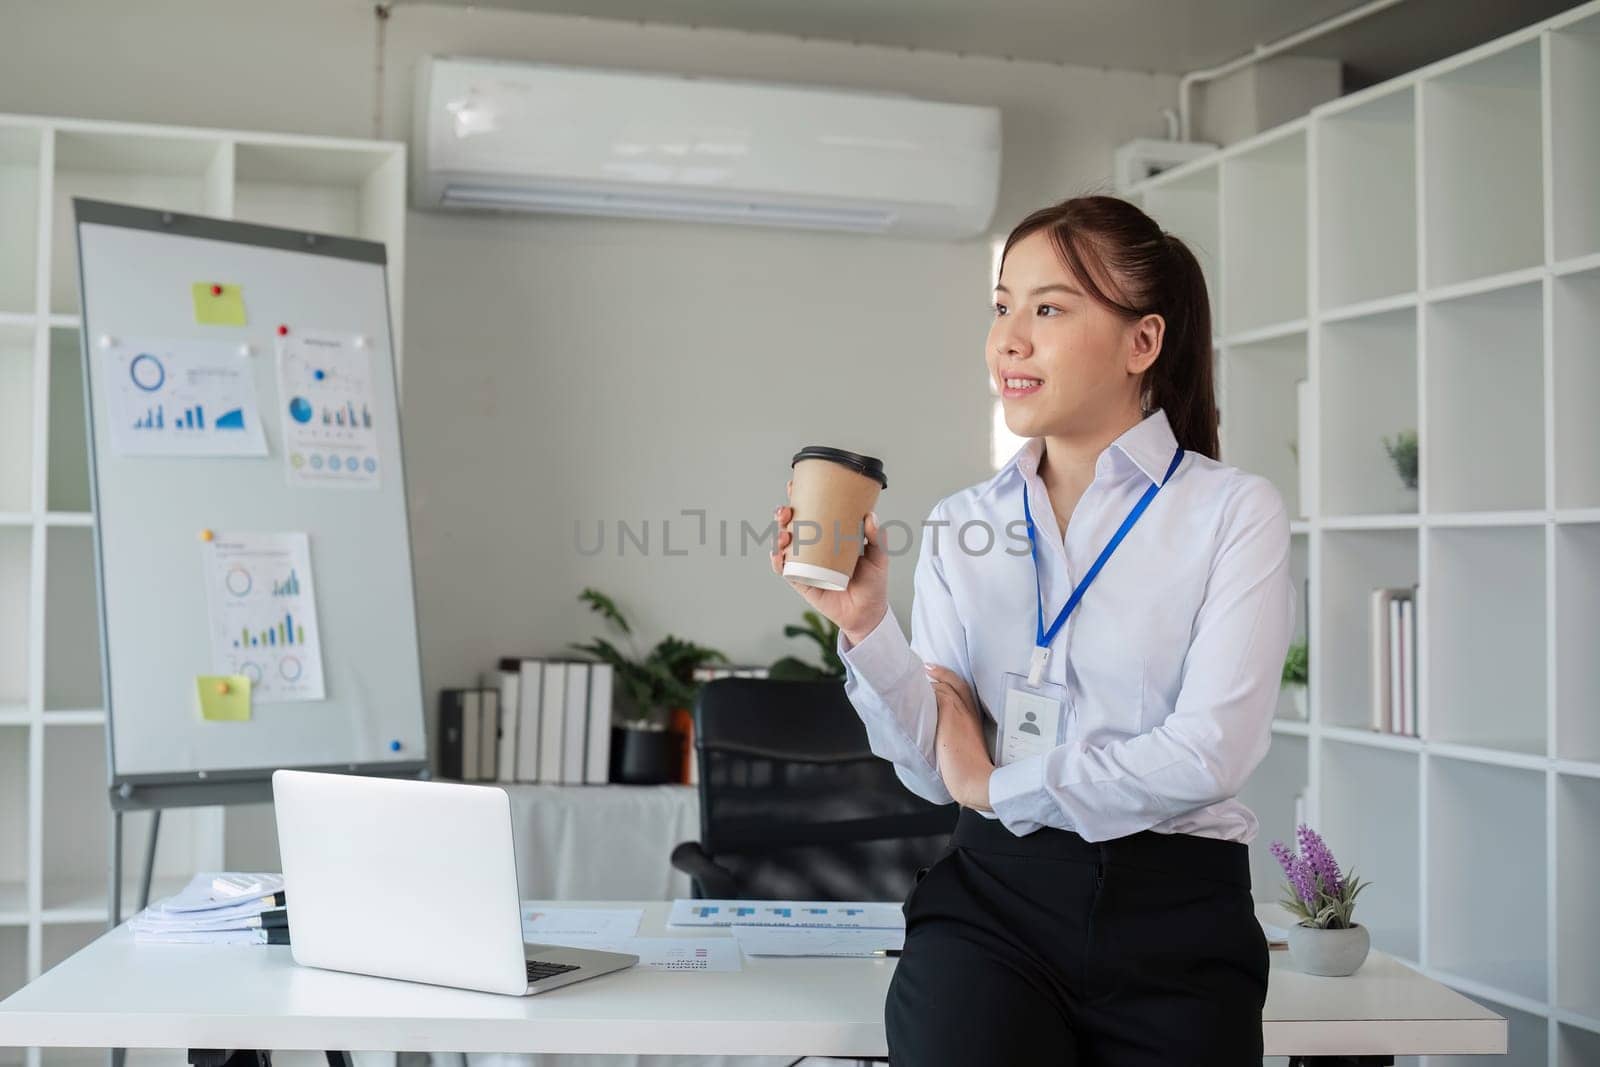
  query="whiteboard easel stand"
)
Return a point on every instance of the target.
[{"x": 199, "y": 788}]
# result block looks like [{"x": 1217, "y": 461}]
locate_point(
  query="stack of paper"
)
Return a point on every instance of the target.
[{"x": 219, "y": 909}]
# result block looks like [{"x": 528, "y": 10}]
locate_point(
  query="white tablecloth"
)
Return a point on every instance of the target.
[{"x": 602, "y": 842}]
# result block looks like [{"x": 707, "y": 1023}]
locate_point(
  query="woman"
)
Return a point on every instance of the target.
[{"x": 1094, "y": 906}]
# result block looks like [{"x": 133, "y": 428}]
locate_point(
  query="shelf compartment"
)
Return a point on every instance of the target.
[
  {"x": 1261, "y": 426},
  {"x": 1368, "y": 372},
  {"x": 1299, "y": 570},
  {"x": 1264, "y": 233},
  {"x": 1191, "y": 208},
  {"x": 191, "y": 175},
  {"x": 13, "y": 973},
  {"x": 1577, "y": 622},
  {"x": 19, "y": 216},
  {"x": 67, "y": 488},
  {"x": 1576, "y": 1047},
  {"x": 77, "y": 833},
  {"x": 1486, "y": 846},
  {"x": 15, "y": 568},
  {"x": 1367, "y": 201},
  {"x": 1485, "y": 609},
  {"x": 16, "y": 416},
  {"x": 1576, "y": 375},
  {"x": 14, "y": 779},
  {"x": 1577, "y": 873},
  {"x": 1574, "y": 136},
  {"x": 71, "y": 621},
  {"x": 1485, "y": 402},
  {"x": 1370, "y": 803},
  {"x": 330, "y": 190},
  {"x": 1482, "y": 167},
  {"x": 1355, "y": 562},
  {"x": 1271, "y": 793}
]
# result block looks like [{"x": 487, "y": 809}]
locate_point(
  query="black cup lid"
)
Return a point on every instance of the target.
[{"x": 872, "y": 468}]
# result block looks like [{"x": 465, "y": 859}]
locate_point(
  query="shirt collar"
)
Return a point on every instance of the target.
[{"x": 1148, "y": 444}]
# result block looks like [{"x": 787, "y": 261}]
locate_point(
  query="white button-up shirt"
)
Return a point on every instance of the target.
[{"x": 1172, "y": 660}]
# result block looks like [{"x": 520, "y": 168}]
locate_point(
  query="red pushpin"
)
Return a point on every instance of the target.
[
  {"x": 216, "y": 290},
  {"x": 283, "y": 331}
]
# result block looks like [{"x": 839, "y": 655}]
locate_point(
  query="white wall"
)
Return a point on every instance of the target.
[{"x": 562, "y": 369}]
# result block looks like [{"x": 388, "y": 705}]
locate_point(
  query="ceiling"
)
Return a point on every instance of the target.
[{"x": 1165, "y": 36}]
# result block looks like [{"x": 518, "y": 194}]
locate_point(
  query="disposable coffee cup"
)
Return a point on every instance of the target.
[{"x": 832, "y": 494}]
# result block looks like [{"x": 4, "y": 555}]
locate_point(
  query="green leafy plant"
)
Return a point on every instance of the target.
[
  {"x": 1403, "y": 454},
  {"x": 1297, "y": 665},
  {"x": 656, "y": 682},
  {"x": 826, "y": 635}
]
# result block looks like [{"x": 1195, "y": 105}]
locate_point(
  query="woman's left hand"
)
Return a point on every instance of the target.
[{"x": 963, "y": 758}]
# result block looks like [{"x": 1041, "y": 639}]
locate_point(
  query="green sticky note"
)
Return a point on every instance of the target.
[
  {"x": 224, "y": 697},
  {"x": 216, "y": 304}
]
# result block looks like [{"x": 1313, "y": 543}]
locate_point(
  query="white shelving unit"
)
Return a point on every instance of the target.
[
  {"x": 1426, "y": 254},
  {"x": 54, "y": 817}
]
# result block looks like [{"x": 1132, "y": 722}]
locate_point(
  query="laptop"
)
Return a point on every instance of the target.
[{"x": 413, "y": 880}]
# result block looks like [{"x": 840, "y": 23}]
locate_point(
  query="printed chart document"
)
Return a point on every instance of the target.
[
  {"x": 181, "y": 398},
  {"x": 817, "y": 940},
  {"x": 330, "y": 435},
  {"x": 800, "y": 913},
  {"x": 264, "y": 613},
  {"x": 540, "y": 924}
]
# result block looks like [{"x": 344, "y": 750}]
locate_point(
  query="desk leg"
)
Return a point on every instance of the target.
[
  {"x": 1341, "y": 1061},
  {"x": 227, "y": 1057}
]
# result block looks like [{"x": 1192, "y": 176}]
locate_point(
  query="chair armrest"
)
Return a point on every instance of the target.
[{"x": 712, "y": 881}]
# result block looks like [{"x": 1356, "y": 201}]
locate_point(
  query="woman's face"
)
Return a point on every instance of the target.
[{"x": 1061, "y": 361}]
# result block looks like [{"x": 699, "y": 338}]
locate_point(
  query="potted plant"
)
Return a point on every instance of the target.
[
  {"x": 1326, "y": 940},
  {"x": 644, "y": 750},
  {"x": 826, "y": 635},
  {"x": 1403, "y": 454},
  {"x": 1297, "y": 676}
]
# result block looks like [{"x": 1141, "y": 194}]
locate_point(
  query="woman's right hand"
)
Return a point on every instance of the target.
[{"x": 859, "y": 607}]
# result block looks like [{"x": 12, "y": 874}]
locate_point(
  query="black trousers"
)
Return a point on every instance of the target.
[{"x": 1049, "y": 949}]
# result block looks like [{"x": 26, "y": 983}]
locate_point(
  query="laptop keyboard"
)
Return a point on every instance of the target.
[{"x": 539, "y": 969}]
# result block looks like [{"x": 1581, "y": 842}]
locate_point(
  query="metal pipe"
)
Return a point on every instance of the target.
[{"x": 1263, "y": 51}]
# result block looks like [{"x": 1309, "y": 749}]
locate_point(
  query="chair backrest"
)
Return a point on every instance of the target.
[{"x": 793, "y": 802}]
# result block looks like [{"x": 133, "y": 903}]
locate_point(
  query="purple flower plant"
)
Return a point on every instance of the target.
[{"x": 1321, "y": 895}]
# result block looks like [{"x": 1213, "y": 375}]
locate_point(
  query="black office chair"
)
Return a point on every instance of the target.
[{"x": 794, "y": 805}]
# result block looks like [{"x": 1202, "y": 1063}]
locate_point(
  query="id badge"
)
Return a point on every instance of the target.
[{"x": 1032, "y": 720}]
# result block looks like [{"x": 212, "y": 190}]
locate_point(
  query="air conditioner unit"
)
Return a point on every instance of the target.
[{"x": 535, "y": 137}]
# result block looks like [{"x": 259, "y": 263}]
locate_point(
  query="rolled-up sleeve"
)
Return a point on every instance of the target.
[
  {"x": 885, "y": 680},
  {"x": 1220, "y": 726}
]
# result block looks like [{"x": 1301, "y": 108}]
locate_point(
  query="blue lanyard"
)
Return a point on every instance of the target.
[{"x": 1041, "y": 650}]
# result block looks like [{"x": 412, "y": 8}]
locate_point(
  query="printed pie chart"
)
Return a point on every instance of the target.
[
  {"x": 300, "y": 409},
  {"x": 147, "y": 372}
]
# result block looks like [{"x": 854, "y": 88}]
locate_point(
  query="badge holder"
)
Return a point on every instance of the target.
[{"x": 1034, "y": 715}]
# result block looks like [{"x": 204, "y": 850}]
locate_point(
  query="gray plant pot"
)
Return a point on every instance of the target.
[{"x": 1334, "y": 953}]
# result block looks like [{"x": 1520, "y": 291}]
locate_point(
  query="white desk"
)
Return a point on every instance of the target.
[{"x": 117, "y": 993}]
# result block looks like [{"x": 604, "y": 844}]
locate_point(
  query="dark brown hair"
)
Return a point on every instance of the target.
[{"x": 1109, "y": 244}]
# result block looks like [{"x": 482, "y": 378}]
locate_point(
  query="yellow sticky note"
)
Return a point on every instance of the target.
[
  {"x": 224, "y": 697},
  {"x": 216, "y": 304}
]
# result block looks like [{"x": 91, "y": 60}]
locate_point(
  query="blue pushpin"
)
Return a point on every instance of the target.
[
  {"x": 394, "y": 746},
  {"x": 319, "y": 375}
]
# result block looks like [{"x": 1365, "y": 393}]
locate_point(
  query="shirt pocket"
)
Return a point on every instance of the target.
[{"x": 1168, "y": 623}]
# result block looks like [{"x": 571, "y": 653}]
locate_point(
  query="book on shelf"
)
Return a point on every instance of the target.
[
  {"x": 553, "y": 722},
  {"x": 468, "y": 734},
  {"x": 510, "y": 676},
  {"x": 1393, "y": 661}
]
